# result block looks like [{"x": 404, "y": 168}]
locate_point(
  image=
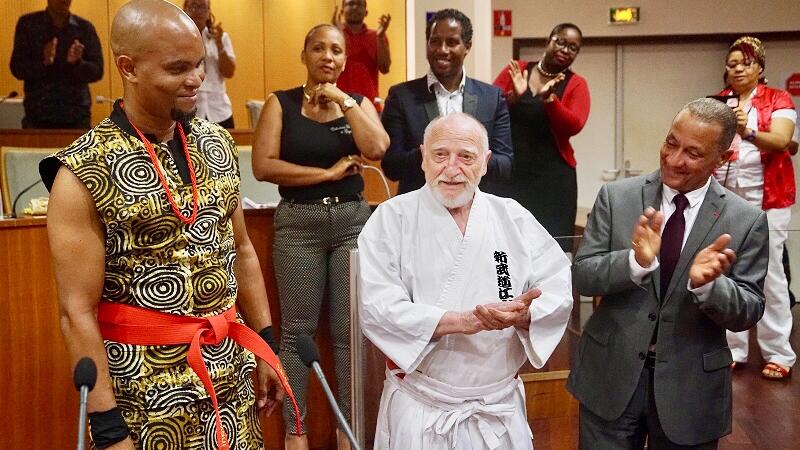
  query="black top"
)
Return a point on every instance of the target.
[
  {"x": 541, "y": 180},
  {"x": 58, "y": 93},
  {"x": 536, "y": 151},
  {"x": 309, "y": 143}
]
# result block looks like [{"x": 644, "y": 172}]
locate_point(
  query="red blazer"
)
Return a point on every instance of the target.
[
  {"x": 567, "y": 115},
  {"x": 779, "y": 187}
]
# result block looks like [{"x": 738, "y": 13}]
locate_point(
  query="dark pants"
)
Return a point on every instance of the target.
[{"x": 638, "y": 424}]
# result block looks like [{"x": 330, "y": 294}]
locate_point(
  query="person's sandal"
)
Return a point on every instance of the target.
[{"x": 773, "y": 371}]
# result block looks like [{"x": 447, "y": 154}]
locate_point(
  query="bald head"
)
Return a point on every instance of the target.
[
  {"x": 159, "y": 53},
  {"x": 141, "y": 25},
  {"x": 457, "y": 124}
]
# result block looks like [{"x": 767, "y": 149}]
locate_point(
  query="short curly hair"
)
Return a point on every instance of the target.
[{"x": 452, "y": 14}]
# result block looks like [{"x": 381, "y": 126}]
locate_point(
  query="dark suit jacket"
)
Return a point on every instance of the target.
[
  {"x": 692, "y": 378},
  {"x": 410, "y": 107}
]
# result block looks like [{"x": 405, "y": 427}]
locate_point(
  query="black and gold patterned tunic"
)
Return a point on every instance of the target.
[{"x": 155, "y": 261}]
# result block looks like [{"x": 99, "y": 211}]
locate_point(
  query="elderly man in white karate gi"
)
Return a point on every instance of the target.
[{"x": 458, "y": 288}]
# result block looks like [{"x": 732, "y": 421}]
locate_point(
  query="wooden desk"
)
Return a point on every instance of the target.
[{"x": 36, "y": 377}]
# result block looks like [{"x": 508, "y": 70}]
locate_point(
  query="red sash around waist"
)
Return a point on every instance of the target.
[{"x": 140, "y": 326}]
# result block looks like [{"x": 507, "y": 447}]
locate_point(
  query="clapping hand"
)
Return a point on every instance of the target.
[
  {"x": 338, "y": 17},
  {"x": 49, "y": 52},
  {"x": 646, "y": 239},
  {"x": 502, "y": 315},
  {"x": 741, "y": 121},
  {"x": 711, "y": 262},
  {"x": 383, "y": 24},
  {"x": 518, "y": 77},
  {"x": 549, "y": 88},
  {"x": 75, "y": 52},
  {"x": 215, "y": 31}
]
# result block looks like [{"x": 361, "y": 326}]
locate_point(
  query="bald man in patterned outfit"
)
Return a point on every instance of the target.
[{"x": 156, "y": 274}]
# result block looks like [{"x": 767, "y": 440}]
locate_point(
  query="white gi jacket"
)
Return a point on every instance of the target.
[{"x": 414, "y": 266}]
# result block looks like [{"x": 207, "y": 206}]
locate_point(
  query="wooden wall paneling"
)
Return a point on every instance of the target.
[
  {"x": 97, "y": 12},
  {"x": 10, "y": 12},
  {"x": 241, "y": 22},
  {"x": 287, "y": 21},
  {"x": 36, "y": 379},
  {"x": 267, "y": 38}
]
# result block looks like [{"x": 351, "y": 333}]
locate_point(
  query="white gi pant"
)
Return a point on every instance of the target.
[
  {"x": 774, "y": 328},
  {"x": 420, "y": 413}
]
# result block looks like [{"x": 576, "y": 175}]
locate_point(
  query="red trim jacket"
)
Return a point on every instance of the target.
[
  {"x": 567, "y": 115},
  {"x": 779, "y": 187}
]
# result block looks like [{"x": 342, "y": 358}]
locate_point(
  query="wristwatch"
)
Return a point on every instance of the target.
[
  {"x": 348, "y": 103},
  {"x": 751, "y": 136}
]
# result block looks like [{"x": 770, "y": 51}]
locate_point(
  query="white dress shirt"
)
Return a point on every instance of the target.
[
  {"x": 447, "y": 101},
  {"x": 695, "y": 199}
]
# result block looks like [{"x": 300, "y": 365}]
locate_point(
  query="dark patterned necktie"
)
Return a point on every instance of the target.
[{"x": 672, "y": 241}]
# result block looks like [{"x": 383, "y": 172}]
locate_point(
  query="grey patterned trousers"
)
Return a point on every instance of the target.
[{"x": 311, "y": 258}]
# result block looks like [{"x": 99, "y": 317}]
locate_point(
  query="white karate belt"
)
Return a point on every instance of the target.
[{"x": 491, "y": 406}]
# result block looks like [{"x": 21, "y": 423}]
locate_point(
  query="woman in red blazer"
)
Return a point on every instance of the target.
[
  {"x": 763, "y": 175},
  {"x": 548, "y": 104}
]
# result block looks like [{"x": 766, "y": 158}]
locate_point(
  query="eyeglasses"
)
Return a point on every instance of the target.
[
  {"x": 745, "y": 65},
  {"x": 563, "y": 44}
]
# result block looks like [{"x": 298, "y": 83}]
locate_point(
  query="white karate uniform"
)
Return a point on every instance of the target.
[{"x": 414, "y": 265}]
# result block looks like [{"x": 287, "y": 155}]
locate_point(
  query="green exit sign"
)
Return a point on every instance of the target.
[{"x": 623, "y": 15}]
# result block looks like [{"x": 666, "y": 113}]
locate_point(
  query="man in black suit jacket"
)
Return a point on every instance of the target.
[
  {"x": 653, "y": 360},
  {"x": 410, "y": 106}
]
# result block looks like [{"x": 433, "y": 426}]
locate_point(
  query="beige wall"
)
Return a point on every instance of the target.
[
  {"x": 535, "y": 18},
  {"x": 267, "y": 38}
]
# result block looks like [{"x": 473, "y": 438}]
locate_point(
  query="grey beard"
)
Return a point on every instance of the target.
[
  {"x": 182, "y": 116},
  {"x": 457, "y": 202}
]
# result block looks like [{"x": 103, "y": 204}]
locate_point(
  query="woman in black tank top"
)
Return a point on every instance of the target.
[{"x": 310, "y": 141}]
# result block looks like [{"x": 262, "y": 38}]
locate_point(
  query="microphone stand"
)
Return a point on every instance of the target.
[
  {"x": 309, "y": 355},
  {"x": 334, "y": 406},
  {"x": 16, "y": 199},
  {"x": 82, "y": 418}
]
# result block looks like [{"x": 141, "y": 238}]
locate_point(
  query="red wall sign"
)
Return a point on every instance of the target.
[
  {"x": 793, "y": 84},
  {"x": 502, "y": 22}
]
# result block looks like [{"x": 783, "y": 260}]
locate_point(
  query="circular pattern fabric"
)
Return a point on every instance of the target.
[{"x": 155, "y": 261}]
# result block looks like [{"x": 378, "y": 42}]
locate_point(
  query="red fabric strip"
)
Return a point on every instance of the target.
[{"x": 139, "y": 326}]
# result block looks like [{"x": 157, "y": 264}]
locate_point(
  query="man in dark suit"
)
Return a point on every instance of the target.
[
  {"x": 410, "y": 106},
  {"x": 653, "y": 361}
]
